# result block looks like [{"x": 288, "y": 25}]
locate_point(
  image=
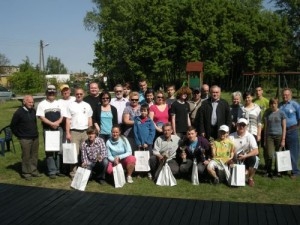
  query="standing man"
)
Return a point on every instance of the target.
[
  {"x": 143, "y": 88},
  {"x": 49, "y": 113},
  {"x": 204, "y": 91},
  {"x": 165, "y": 145},
  {"x": 195, "y": 104},
  {"x": 24, "y": 127},
  {"x": 213, "y": 113},
  {"x": 93, "y": 98},
  {"x": 171, "y": 94},
  {"x": 246, "y": 148},
  {"x": 292, "y": 111},
  {"x": 79, "y": 118},
  {"x": 119, "y": 102}
]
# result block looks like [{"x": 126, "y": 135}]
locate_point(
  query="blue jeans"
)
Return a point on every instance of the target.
[
  {"x": 292, "y": 144},
  {"x": 99, "y": 168}
]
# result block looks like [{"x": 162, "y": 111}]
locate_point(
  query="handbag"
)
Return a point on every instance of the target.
[
  {"x": 142, "y": 161},
  {"x": 81, "y": 178},
  {"x": 283, "y": 161},
  {"x": 238, "y": 175},
  {"x": 165, "y": 177},
  {"x": 52, "y": 141},
  {"x": 195, "y": 178},
  {"x": 69, "y": 153},
  {"x": 119, "y": 176}
]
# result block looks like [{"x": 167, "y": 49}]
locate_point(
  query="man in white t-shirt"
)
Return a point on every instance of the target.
[
  {"x": 246, "y": 148},
  {"x": 119, "y": 102},
  {"x": 79, "y": 118},
  {"x": 49, "y": 112}
]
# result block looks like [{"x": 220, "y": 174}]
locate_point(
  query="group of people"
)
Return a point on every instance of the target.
[{"x": 183, "y": 126}]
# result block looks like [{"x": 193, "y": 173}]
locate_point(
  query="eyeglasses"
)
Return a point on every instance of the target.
[
  {"x": 77, "y": 94},
  {"x": 134, "y": 100}
]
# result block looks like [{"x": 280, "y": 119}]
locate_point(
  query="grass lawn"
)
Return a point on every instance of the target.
[{"x": 276, "y": 191}]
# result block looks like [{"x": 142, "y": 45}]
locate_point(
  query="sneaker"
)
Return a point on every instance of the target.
[
  {"x": 251, "y": 182},
  {"x": 149, "y": 176},
  {"x": 129, "y": 180},
  {"x": 216, "y": 181},
  {"x": 52, "y": 176}
]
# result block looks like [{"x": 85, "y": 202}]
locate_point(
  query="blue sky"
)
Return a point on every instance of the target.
[{"x": 24, "y": 23}]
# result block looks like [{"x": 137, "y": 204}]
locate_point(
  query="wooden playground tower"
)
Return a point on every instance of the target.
[{"x": 194, "y": 71}]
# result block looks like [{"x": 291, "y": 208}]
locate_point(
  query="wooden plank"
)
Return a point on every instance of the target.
[
  {"x": 233, "y": 213},
  {"x": 270, "y": 214},
  {"x": 242, "y": 213},
  {"x": 290, "y": 217},
  {"x": 188, "y": 212},
  {"x": 174, "y": 212},
  {"x": 161, "y": 210},
  {"x": 296, "y": 213},
  {"x": 280, "y": 218},
  {"x": 252, "y": 215},
  {"x": 215, "y": 213},
  {"x": 206, "y": 213},
  {"x": 152, "y": 206},
  {"x": 260, "y": 214},
  {"x": 197, "y": 213},
  {"x": 224, "y": 213}
]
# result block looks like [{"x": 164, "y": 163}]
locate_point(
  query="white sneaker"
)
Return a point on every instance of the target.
[
  {"x": 149, "y": 176},
  {"x": 129, "y": 180}
]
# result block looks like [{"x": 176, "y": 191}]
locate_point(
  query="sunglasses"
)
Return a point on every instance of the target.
[
  {"x": 104, "y": 98},
  {"x": 134, "y": 100},
  {"x": 241, "y": 124},
  {"x": 159, "y": 97}
]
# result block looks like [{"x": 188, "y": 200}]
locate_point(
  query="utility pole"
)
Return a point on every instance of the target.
[{"x": 41, "y": 59}]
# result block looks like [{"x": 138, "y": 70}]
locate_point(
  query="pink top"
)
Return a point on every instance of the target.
[{"x": 160, "y": 116}]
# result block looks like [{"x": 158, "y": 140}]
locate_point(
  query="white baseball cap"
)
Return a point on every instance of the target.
[
  {"x": 243, "y": 120},
  {"x": 224, "y": 128}
]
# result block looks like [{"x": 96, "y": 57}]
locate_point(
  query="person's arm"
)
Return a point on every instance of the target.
[
  {"x": 14, "y": 122},
  {"x": 90, "y": 121},
  {"x": 259, "y": 126},
  {"x": 283, "y": 125},
  {"x": 84, "y": 156},
  {"x": 126, "y": 119},
  {"x": 68, "y": 129},
  {"x": 127, "y": 147}
]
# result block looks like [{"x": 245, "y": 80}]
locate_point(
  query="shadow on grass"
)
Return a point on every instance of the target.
[{"x": 42, "y": 168}]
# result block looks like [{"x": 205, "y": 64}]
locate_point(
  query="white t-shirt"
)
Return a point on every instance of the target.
[
  {"x": 45, "y": 107},
  {"x": 244, "y": 143},
  {"x": 120, "y": 106},
  {"x": 79, "y": 113},
  {"x": 63, "y": 104}
]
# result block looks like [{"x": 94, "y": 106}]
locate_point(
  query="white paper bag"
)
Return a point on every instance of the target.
[
  {"x": 81, "y": 178},
  {"x": 52, "y": 141},
  {"x": 142, "y": 161},
  {"x": 165, "y": 177},
  {"x": 119, "y": 176},
  {"x": 283, "y": 160},
  {"x": 195, "y": 178},
  {"x": 69, "y": 153},
  {"x": 238, "y": 175}
]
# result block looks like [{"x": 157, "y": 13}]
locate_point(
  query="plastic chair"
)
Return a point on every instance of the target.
[{"x": 8, "y": 137}]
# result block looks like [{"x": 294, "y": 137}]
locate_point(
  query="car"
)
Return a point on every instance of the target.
[{"x": 5, "y": 94}]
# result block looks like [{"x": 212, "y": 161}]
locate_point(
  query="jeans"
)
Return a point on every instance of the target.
[
  {"x": 99, "y": 168},
  {"x": 292, "y": 144}
]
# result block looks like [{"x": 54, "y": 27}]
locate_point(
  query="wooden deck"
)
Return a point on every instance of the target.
[{"x": 32, "y": 205}]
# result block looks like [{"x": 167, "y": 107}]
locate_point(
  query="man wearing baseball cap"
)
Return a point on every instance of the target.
[{"x": 246, "y": 148}]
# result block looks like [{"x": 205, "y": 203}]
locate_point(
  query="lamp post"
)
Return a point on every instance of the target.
[{"x": 42, "y": 61}]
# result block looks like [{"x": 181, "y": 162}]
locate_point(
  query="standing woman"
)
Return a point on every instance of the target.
[
  {"x": 126, "y": 90},
  {"x": 119, "y": 151},
  {"x": 131, "y": 111},
  {"x": 105, "y": 116},
  {"x": 252, "y": 113},
  {"x": 235, "y": 109},
  {"x": 275, "y": 130},
  {"x": 159, "y": 112}
]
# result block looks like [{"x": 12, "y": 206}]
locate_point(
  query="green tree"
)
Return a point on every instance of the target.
[
  {"x": 4, "y": 60},
  {"x": 28, "y": 80},
  {"x": 55, "y": 66}
]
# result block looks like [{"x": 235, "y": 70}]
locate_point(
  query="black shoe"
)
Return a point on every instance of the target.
[
  {"x": 60, "y": 175},
  {"x": 36, "y": 175},
  {"x": 216, "y": 181},
  {"x": 102, "y": 182}
]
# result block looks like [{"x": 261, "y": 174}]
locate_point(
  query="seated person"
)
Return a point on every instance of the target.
[
  {"x": 94, "y": 154},
  {"x": 165, "y": 148},
  {"x": 222, "y": 153},
  {"x": 194, "y": 147},
  {"x": 119, "y": 151},
  {"x": 246, "y": 148}
]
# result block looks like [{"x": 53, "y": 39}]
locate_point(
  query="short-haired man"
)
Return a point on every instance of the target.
[
  {"x": 195, "y": 104},
  {"x": 119, "y": 102},
  {"x": 171, "y": 94},
  {"x": 94, "y": 97},
  {"x": 79, "y": 118},
  {"x": 24, "y": 127},
  {"x": 165, "y": 145},
  {"x": 49, "y": 113},
  {"x": 246, "y": 148},
  {"x": 213, "y": 113},
  {"x": 205, "y": 91},
  {"x": 292, "y": 111},
  {"x": 143, "y": 88}
]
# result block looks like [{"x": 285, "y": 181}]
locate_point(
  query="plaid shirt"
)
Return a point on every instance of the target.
[{"x": 90, "y": 152}]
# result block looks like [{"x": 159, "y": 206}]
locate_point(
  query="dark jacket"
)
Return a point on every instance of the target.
[
  {"x": 24, "y": 123},
  {"x": 204, "y": 113},
  {"x": 97, "y": 114}
]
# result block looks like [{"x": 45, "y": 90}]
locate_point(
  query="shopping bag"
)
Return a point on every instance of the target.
[
  {"x": 238, "y": 175},
  {"x": 195, "y": 178},
  {"x": 69, "y": 153},
  {"x": 142, "y": 161},
  {"x": 165, "y": 177},
  {"x": 283, "y": 160},
  {"x": 52, "y": 141},
  {"x": 226, "y": 170},
  {"x": 81, "y": 178},
  {"x": 119, "y": 176}
]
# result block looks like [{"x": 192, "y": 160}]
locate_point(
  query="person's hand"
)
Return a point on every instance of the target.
[
  {"x": 258, "y": 138},
  {"x": 117, "y": 160},
  {"x": 282, "y": 144},
  {"x": 183, "y": 155},
  {"x": 68, "y": 137},
  {"x": 145, "y": 146},
  {"x": 242, "y": 157},
  {"x": 84, "y": 165},
  {"x": 160, "y": 157},
  {"x": 206, "y": 162}
]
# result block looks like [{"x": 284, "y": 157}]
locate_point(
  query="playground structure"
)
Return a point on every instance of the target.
[
  {"x": 194, "y": 71},
  {"x": 272, "y": 79}
]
